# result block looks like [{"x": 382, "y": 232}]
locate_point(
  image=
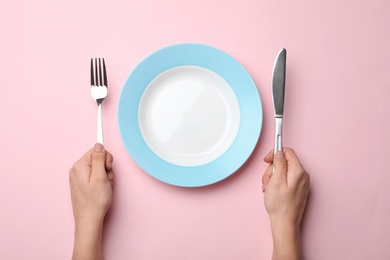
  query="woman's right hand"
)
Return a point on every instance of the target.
[{"x": 286, "y": 187}]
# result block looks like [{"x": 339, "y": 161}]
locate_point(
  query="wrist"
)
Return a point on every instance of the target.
[
  {"x": 283, "y": 228},
  {"x": 88, "y": 239},
  {"x": 285, "y": 220},
  {"x": 90, "y": 217},
  {"x": 286, "y": 239},
  {"x": 88, "y": 226}
]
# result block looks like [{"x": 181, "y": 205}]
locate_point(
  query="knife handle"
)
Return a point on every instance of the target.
[{"x": 278, "y": 134}]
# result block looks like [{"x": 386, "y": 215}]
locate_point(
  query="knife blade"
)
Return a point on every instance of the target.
[{"x": 278, "y": 87}]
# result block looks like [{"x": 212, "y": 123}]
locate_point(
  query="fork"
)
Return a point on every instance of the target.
[{"x": 99, "y": 91}]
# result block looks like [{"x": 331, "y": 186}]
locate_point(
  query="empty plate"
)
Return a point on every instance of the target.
[{"x": 189, "y": 115}]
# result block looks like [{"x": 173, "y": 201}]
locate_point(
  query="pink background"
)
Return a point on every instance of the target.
[{"x": 337, "y": 119}]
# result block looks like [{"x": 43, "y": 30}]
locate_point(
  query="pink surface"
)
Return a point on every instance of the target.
[{"x": 337, "y": 119}]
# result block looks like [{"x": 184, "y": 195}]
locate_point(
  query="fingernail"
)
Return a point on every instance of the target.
[
  {"x": 279, "y": 155},
  {"x": 98, "y": 147}
]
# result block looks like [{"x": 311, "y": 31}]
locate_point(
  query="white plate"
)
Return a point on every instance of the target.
[{"x": 189, "y": 115}]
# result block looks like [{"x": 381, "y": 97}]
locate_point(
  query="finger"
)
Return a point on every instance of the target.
[
  {"x": 267, "y": 176},
  {"x": 280, "y": 167},
  {"x": 98, "y": 162},
  {"x": 81, "y": 169},
  {"x": 269, "y": 157},
  {"x": 294, "y": 165},
  {"x": 109, "y": 160},
  {"x": 111, "y": 177},
  {"x": 87, "y": 157},
  {"x": 291, "y": 156},
  {"x": 295, "y": 168}
]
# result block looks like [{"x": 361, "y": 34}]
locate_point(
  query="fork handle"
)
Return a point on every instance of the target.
[{"x": 99, "y": 124}]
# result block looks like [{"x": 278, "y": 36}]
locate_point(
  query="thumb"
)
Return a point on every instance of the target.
[
  {"x": 98, "y": 162},
  {"x": 280, "y": 166}
]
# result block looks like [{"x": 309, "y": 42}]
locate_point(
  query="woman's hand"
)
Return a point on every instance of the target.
[
  {"x": 286, "y": 186},
  {"x": 90, "y": 179}
]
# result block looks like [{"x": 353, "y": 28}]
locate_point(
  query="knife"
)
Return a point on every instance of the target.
[{"x": 278, "y": 85}]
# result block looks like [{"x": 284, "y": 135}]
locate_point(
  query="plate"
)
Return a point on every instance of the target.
[{"x": 189, "y": 115}]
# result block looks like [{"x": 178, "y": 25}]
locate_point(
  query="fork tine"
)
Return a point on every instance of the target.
[
  {"x": 100, "y": 74},
  {"x": 104, "y": 74},
  {"x": 96, "y": 73},
  {"x": 92, "y": 81}
]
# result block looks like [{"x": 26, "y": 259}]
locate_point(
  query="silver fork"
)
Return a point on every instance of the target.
[{"x": 99, "y": 91}]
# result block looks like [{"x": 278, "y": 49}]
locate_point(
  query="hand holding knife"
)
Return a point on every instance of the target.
[{"x": 278, "y": 85}]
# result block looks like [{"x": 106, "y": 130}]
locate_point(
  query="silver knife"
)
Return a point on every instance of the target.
[{"x": 278, "y": 84}]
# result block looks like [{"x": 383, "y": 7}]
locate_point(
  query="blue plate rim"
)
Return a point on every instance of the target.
[{"x": 251, "y": 114}]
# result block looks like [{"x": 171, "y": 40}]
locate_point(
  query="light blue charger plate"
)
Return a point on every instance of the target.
[{"x": 232, "y": 72}]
